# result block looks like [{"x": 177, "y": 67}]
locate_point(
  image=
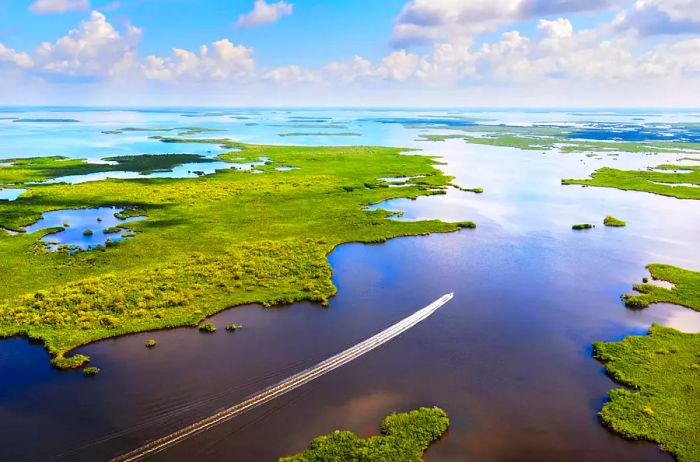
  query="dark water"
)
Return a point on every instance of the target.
[{"x": 509, "y": 358}]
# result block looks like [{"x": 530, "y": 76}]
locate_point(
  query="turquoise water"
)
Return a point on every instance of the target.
[{"x": 10, "y": 194}]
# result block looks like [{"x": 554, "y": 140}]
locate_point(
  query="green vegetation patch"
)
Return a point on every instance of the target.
[
  {"x": 320, "y": 134},
  {"x": 182, "y": 131},
  {"x": 209, "y": 243},
  {"x": 681, "y": 181},
  {"x": 44, "y": 168},
  {"x": 474, "y": 190},
  {"x": 88, "y": 371},
  {"x": 582, "y": 226},
  {"x": 614, "y": 222},
  {"x": 663, "y": 404},
  {"x": 404, "y": 437},
  {"x": 685, "y": 291},
  {"x": 546, "y": 138}
]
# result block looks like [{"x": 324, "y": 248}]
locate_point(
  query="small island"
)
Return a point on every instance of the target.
[
  {"x": 614, "y": 222},
  {"x": 404, "y": 437}
]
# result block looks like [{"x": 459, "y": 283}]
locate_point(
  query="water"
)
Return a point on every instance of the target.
[
  {"x": 186, "y": 170},
  {"x": 509, "y": 358},
  {"x": 10, "y": 194},
  {"x": 83, "y": 229}
]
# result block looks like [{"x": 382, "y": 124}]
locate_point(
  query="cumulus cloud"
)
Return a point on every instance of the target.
[
  {"x": 680, "y": 60},
  {"x": 12, "y": 58},
  {"x": 558, "y": 28},
  {"x": 93, "y": 49},
  {"x": 658, "y": 17},
  {"x": 58, "y": 6},
  {"x": 222, "y": 61},
  {"x": 555, "y": 55},
  {"x": 422, "y": 21},
  {"x": 264, "y": 13},
  {"x": 290, "y": 75}
]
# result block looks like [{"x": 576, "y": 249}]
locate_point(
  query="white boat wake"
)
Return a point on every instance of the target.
[{"x": 286, "y": 385}]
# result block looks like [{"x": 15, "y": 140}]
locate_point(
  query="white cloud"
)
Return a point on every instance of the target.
[
  {"x": 93, "y": 49},
  {"x": 10, "y": 57},
  {"x": 222, "y": 61},
  {"x": 558, "y": 28},
  {"x": 680, "y": 60},
  {"x": 439, "y": 20},
  {"x": 556, "y": 60},
  {"x": 264, "y": 13},
  {"x": 290, "y": 75},
  {"x": 658, "y": 17},
  {"x": 58, "y": 6}
]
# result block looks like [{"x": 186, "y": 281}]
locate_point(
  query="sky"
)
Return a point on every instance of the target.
[{"x": 388, "y": 53}]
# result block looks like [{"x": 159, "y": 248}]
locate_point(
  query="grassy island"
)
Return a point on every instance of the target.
[
  {"x": 544, "y": 138},
  {"x": 681, "y": 181},
  {"x": 404, "y": 437},
  {"x": 614, "y": 222},
  {"x": 662, "y": 403},
  {"x": 210, "y": 242},
  {"x": 45, "y": 168},
  {"x": 582, "y": 226},
  {"x": 320, "y": 134},
  {"x": 685, "y": 291}
]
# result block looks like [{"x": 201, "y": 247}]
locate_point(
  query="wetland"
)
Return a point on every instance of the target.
[{"x": 319, "y": 256}]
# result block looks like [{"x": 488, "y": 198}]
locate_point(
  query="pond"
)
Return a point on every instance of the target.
[
  {"x": 83, "y": 229},
  {"x": 10, "y": 194}
]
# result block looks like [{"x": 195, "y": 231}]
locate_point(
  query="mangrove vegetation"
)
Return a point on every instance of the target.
[
  {"x": 662, "y": 374},
  {"x": 210, "y": 242},
  {"x": 404, "y": 438}
]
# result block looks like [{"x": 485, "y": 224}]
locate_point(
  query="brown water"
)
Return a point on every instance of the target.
[{"x": 509, "y": 358}]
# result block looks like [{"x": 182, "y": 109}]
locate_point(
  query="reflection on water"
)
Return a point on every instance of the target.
[{"x": 83, "y": 229}]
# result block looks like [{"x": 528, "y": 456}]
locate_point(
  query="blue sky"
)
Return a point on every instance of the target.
[{"x": 351, "y": 52}]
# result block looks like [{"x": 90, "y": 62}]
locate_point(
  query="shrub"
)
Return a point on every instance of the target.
[
  {"x": 89, "y": 371},
  {"x": 207, "y": 327},
  {"x": 87, "y": 232},
  {"x": 232, "y": 327},
  {"x": 150, "y": 343},
  {"x": 635, "y": 302},
  {"x": 614, "y": 222},
  {"x": 583, "y": 226},
  {"x": 73, "y": 362}
]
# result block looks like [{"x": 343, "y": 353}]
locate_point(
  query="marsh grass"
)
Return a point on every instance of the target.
[
  {"x": 665, "y": 180},
  {"x": 90, "y": 371},
  {"x": 614, "y": 222},
  {"x": 661, "y": 404},
  {"x": 209, "y": 243},
  {"x": 404, "y": 437},
  {"x": 209, "y": 327},
  {"x": 685, "y": 291}
]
